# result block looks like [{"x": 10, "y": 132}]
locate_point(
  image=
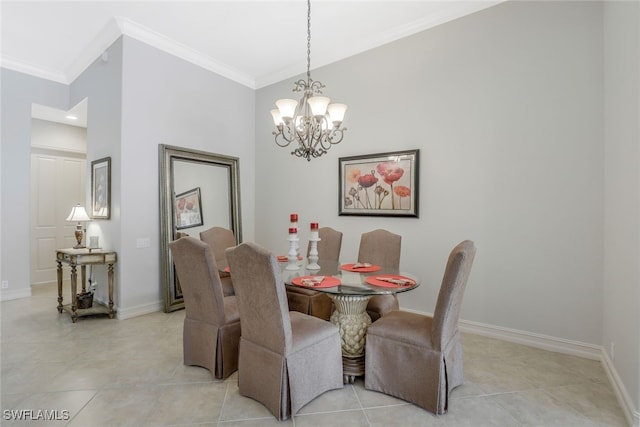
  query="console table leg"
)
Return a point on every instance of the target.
[
  {"x": 74, "y": 293},
  {"x": 110, "y": 278},
  {"x": 83, "y": 269},
  {"x": 59, "y": 287}
]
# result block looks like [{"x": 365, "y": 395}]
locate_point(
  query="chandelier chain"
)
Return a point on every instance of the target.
[
  {"x": 313, "y": 132},
  {"x": 308, "y": 40}
]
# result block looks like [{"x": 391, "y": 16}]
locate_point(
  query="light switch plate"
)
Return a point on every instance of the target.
[{"x": 143, "y": 242}]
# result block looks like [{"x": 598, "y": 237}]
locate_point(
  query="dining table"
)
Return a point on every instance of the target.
[{"x": 350, "y": 286}]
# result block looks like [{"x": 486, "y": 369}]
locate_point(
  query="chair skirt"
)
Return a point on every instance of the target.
[
  {"x": 210, "y": 347},
  {"x": 309, "y": 302},
  {"x": 380, "y": 305},
  {"x": 416, "y": 373}
]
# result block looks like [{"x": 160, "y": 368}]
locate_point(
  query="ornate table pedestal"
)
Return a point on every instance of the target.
[{"x": 352, "y": 319}]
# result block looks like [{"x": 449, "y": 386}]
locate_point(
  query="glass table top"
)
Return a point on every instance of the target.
[{"x": 351, "y": 282}]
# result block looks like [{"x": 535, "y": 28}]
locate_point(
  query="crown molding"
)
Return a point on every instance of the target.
[
  {"x": 115, "y": 28},
  {"x": 338, "y": 53},
  {"x": 119, "y": 26},
  {"x": 96, "y": 47},
  {"x": 159, "y": 41},
  {"x": 32, "y": 70}
]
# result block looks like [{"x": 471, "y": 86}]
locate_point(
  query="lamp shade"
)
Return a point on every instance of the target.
[
  {"x": 277, "y": 119},
  {"x": 318, "y": 105},
  {"x": 78, "y": 213},
  {"x": 287, "y": 107},
  {"x": 336, "y": 112}
]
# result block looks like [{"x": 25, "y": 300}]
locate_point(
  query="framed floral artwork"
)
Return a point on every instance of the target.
[
  {"x": 101, "y": 188},
  {"x": 384, "y": 184},
  {"x": 188, "y": 208}
]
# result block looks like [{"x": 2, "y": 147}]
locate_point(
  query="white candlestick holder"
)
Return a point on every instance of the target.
[
  {"x": 313, "y": 254},
  {"x": 292, "y": 256}
]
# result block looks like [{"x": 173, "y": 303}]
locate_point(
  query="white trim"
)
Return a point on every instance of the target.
[
  {"x": 94, "y": 50},
  {"x": 119, "y": 26},
  {"x": 33, "y": 70},
  {"x": 338, "y": 53},
  {"x": 7, "y": 294},
  {"x": 545, "y": 342},
  {"x": 164, "y": 43},
  {"x": 139, "y": 310},
  {"x": 632, "y": 415},
  {"x": 560, "y": 345}
]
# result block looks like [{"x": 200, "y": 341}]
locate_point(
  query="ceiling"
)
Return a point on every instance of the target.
[{"x": 255, "y": 43}]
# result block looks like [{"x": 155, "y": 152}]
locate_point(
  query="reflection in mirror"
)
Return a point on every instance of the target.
[{"x": 198, "y": 190}]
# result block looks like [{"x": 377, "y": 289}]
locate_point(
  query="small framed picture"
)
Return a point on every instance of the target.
[
  {"x": 101, "y": 188},
  {"x": 384, "y": 184},
  {"x": 188, "y": 209}
]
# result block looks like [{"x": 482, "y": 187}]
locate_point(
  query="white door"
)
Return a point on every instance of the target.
[{"x": 57, "y": 184}]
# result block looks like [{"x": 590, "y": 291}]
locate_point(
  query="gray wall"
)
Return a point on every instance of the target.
[
  {"x": 139, "y": 98},
  {"x": 622, "y": 194},
  {"x": 524, "y": 138},
  {"x": 18, "y": 92},
  {"x": 506, "y": 108},
  {"x": 183, "y": 105},
  {"x": 101, "y": 83}
]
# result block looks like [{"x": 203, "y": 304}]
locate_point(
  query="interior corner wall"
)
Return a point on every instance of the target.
[
  {"x": 166, "y": 100},
  {"x": 621, "y": 296},
  {"x": 505, "y": 106},
  {"x": 18, "y": 92},
  {"x": 101, "y": 83}
]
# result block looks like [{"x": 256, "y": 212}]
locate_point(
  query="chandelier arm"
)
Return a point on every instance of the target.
[{"x": 286, "y": 142}]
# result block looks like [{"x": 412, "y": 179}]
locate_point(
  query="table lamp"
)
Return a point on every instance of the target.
[{"x": 78, "y": 214}]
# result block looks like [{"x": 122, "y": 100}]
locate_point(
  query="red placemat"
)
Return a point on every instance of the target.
[
  {"x": 375, "y": 280},
  {"x": 327, "y": 281},
  {"x": 285, "y": 258},
  {"x": 351, "y": 267}
]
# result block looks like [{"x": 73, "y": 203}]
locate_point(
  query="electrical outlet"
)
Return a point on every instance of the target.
[
  {"x": 5, "y": 284},
  {"x": 612, "y": 351}
]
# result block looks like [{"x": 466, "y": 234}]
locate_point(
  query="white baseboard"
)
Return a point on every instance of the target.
[
  {"x": 9, "y": 294},
  {"x": 632, "y": 415},
  {"x": 139, "y": 310},
  {"x": 545, "y": 342},
  {"x": 560, "y": 345}
]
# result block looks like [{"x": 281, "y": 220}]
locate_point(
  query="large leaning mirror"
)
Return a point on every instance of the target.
[{"x": 198, "y": 190}]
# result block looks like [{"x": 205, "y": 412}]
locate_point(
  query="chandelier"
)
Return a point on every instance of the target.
[{"x": 313, "y": 124}]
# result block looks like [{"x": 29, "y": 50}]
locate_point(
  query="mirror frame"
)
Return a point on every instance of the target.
[{"x": 167, "y": 154}]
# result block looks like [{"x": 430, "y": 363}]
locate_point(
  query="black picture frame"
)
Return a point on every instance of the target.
[
  {"x": 101, "y": 188},
  {"x": 381, "y": 184},
  {"x": 188, "y": 209}
]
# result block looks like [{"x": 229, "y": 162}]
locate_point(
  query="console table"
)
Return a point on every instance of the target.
[{"x": 82, "y": 258}]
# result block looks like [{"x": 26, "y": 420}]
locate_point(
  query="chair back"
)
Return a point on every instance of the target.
[
  {"x": 261, "y": 297},
  {"x": 454, "y": 282},
  {"x": 219, "y": 239},
  {"x": 199, "y": 279},
  {"x": 380, "y": 247},
  {"x": 329, "y": 245}
]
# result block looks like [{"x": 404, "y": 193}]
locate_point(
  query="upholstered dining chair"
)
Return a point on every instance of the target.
[
  {"x": 419, "y": 358},
  {"x": 381, "y": 247},
  {"x": 220, "y": 239},
  {"x": 313, "y": 302},
  {"x": 286, "y": 358},
  {"x": 211, "y": 331}
]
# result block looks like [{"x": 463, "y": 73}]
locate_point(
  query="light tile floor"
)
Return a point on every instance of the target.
[{"x": 130, "y": 373}]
